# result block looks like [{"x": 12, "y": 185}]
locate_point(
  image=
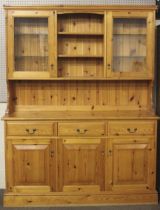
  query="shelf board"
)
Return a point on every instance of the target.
[
  {"x": 80, "y": 56},
  {"x": 31, "y": 56},
  {"x": 120, "y": 78},
  {"x": 31, "y": 34},
  {"x": 129, "y": 34},
  {"x": 129, "y": 56},
  {"x": 81, "y": 33}
]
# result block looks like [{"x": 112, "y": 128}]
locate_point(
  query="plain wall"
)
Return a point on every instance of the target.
[{"x": 2, "y": 162}]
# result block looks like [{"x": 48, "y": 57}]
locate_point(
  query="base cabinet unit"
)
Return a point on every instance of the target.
[
  {"x": 117, "y": 164},
  {"x": 80, "y": 125}
]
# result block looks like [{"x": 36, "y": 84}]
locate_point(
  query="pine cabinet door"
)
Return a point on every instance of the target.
[
  {"x": 81, "y": 165},
  {"x": 30, "y": 165},
  {"x": 31, "y": 44},
  {"x": 131, "y": 164},
  {"x": 130, "y": 45}
]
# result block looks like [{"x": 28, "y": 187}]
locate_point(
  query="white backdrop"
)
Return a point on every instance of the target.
[
  {"x": 2, "y": 166},
  {"x": 3, "y": 91}
]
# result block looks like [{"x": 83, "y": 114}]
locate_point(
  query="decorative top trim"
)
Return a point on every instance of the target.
[{"x": 84, "y": 7}]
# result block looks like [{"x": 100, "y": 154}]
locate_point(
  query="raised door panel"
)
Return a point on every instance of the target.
[
  {"x": 31, "y": 44},
  {"x": 29, "y": 163},
  {"x": 81, "y": 165},
  {"x": 130, "y": 45},
  {"x": 131, "y": 164}
]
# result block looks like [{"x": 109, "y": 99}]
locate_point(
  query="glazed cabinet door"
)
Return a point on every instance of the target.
[
  {"x": 31, "y": 165},
  {"x": 81, "y": 165},
  {"x": 130, "y": 45},
  {"x": 131, "y": 164},
  {"x": 31, "y": 44}
]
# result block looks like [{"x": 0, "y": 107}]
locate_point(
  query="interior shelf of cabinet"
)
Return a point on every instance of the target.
[
  {"x": 30, "y": 56},
  {"x": 31, "y": 34},
  {"x": 129, "y": 56},
  {"x": 131, "y": 34},
  {"x": 31, "y": 63}
]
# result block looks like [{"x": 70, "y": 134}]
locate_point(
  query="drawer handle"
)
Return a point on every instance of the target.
[
  {"x": 81, "y": 131},
  {"x": 31, "y": 131},
  {"x": 131, "y": 130}
]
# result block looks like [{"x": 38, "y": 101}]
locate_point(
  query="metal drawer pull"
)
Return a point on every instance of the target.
[
  {"x": 131, "y": 130},
  {"x": 31, "y": 131},
  {"x": 82, "y": 131}
]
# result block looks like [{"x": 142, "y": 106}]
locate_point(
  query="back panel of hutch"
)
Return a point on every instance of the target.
[{"x": 80, "y": 125}]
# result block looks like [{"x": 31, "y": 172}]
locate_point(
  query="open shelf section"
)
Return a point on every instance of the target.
[
  {"x": 81, "y": 67},
  {"x": 80, "y": 46},
  {"x": 80, "y": 23}
]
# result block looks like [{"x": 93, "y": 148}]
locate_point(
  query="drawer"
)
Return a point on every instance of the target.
[
  {"x": 81, "y": 129},
  {"x": 31, "y": 129},
  {"x": 116, "y": 128}
]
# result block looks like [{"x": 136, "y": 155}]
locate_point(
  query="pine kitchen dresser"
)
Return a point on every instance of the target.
[{"x": 80, "y": 127}]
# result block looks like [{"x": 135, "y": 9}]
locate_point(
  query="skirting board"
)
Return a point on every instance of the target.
[{"x": 73, "y": 200}]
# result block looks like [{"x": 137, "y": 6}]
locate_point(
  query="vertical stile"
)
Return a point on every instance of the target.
[
  {"x": 105, "y": 37},
  {"x": 52, "y": 42},
  {"x": 109, "y": 43},
  {"x": 10, "y": 33}
]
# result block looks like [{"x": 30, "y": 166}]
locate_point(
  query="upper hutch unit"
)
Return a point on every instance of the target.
[
  {"x": 80, "y": 124},
  {"x": 80, "y": 44}
]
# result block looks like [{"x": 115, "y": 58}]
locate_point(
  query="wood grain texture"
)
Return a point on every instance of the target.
[
  {"x": 83, "y": 7},
  {"x": 131, "y": 165},
  {"x": 80, "y": 127},
  {"x": 92, "y": 96},
  {"x": 81, "y": 163},
  {"x": 50, "y": 200}
]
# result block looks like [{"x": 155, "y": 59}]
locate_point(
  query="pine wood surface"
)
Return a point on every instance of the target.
[
  {"x": 79, "y": 115},
  {"x": 84, "y": 7},
  {"x": 53, "y": 47},
  {"x": 80, "y": 127}
]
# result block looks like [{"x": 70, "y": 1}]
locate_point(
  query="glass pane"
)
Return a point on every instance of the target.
[
  {"x": 129, "y": 45},
  {"x": 31, "y": 44}
]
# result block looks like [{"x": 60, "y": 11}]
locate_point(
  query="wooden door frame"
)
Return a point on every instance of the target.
[
  {"x": 50, "y": 15},
  {"x": 150, "y": 20}
]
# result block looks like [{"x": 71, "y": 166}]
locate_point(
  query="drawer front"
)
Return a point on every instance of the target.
[
  {"x": 117, "y": 128},
  {"x": 31, "y": 129},
  {"x": 81, "y": 129}
]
